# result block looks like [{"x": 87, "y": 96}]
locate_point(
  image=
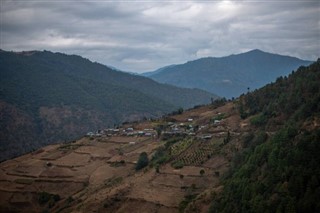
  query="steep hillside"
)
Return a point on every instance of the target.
[
  {"x": 229, "y": 76},
  {"x": 277, "y": 169},
  {"x": 258, "y": 153},
  {"x": 47, "y": 97},
  {"x": 150, "y": 166}
]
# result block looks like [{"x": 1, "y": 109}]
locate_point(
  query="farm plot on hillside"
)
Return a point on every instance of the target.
[
  {"x": 181, "y": 146},
  {"x": 198, "y": 153}
]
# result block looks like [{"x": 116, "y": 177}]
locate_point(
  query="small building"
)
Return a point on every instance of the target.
[
  {"x": 130, "y": 129},
  {"x": 90, "y": 134},
  {"x": 216, "y": 121},
  {"x": 149, "y": 134},
  {"x": 206, "y": 137}
]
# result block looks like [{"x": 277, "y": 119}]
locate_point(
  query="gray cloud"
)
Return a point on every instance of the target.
[{"x": 145, "y": 35}]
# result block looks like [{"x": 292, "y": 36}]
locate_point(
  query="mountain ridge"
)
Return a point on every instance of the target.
[
  {"x": 229, "y": 76},
  {"x": 64, "y": 96},
  {"x": 256, "y": 153}
]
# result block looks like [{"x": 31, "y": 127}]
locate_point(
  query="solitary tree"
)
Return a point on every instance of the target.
[
  {"x": 143, "y": 161},
  {"x": 202, "y": 172}
]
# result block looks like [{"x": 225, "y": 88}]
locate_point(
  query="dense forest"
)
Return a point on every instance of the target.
[
  {"x": 48, "y": 97},
  {"x": 277, "y": 169}
]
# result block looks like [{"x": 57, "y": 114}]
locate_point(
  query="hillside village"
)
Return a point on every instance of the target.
[
  {"x": 258, "y": 150},
  {"x": 174, "y": 124},
  {"x": 97, "y": 172}
]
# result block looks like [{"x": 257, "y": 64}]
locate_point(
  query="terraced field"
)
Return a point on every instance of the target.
[
  {"x": 198, "y": 151},
  {"x": 98, "y": 174}
]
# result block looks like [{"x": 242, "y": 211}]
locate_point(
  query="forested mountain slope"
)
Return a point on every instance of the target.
[
  {"x": 46, "y": 97},
  {"x": 277, "y": 169}
]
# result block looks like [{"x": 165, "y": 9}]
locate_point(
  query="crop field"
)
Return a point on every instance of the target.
[
  {"x": 181, "y": 146},
  {"x": 199, "y": 152}
]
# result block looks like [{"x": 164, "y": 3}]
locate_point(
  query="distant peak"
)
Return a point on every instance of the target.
[{"x": 255, "y": 51}]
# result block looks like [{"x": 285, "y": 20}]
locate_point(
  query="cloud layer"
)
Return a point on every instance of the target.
[{"x": 145, "y": 35}]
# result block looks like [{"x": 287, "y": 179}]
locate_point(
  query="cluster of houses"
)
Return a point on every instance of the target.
[
  {"x": 180, "y": 128},
  {"x": 199, "y": 131},
  {"x": 169, "y": 129},
  {"x": 122, "y": 132}
]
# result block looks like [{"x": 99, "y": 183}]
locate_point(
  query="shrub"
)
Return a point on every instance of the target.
[
  {"x": 44, "y": 197},
  {"x": 187, "y": 199},
  {"x": 202, "y": 172},
  {"x": 143, "y": 161},
  {"x": 259, "y": 120},
  {"x": 177, "y": 164}
]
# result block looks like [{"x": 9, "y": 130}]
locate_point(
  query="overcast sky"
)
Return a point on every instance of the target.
[{"x": 145, "y": 35}]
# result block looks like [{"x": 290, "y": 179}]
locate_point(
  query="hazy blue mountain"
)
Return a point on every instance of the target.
[
  {"x": 229, "y": 76},
  {"x": 46, "y": 97},
  {"x": 148, "y": 74}
]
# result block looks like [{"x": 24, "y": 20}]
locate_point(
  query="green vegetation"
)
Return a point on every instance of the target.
[
  {"x": 279, "y": 173},
  {"x": 180, "y": 146},
  {"x": 118, "y": 163},
  {"x": 258, "y": 120},
  {"x": 113, "y": 181},
  {"x": 218, "y": 117},
  {"x": 227, "y": 139},
  {"x": 202, "y": 172},
  {"x": 163, "y": 153},
  {"x": 62, "y": 97},
  {"x": 198, "y": 152},
  {"x": 295, "y": 97},
  {"x": 177, "y": 112},
  {"x": 187, "y": 199},
  {"x": 143, "y": 161},
  {"x": 45, "y": 197},
  {"x": 215, "y": 103},
  {"x": 185, "y": 151},
  {"x": 177, "y": 164},
  {"x": 161, "y": 156}
]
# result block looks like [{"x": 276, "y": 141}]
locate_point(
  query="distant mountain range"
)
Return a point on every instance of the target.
[
  {"x": 228, "y": 76},
  {"x": 47, "y": 97}
]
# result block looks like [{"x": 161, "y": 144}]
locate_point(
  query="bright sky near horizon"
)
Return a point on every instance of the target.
[{"x": 142, "y": 36}]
